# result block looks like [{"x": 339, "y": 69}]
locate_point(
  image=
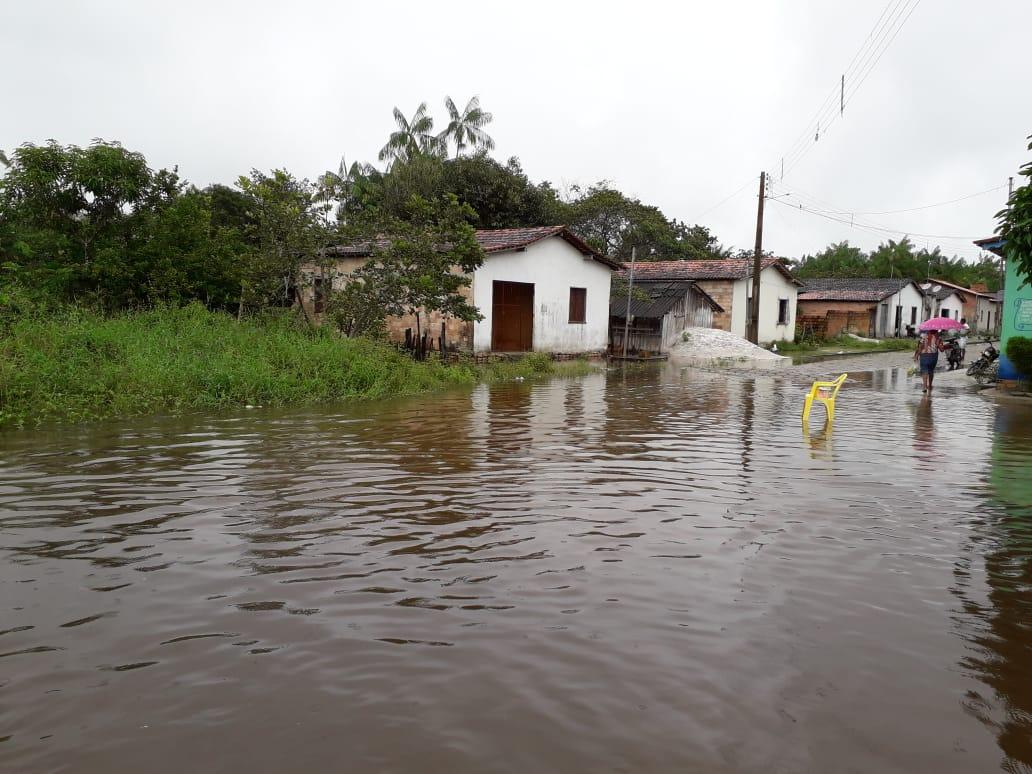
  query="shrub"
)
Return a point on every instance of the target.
[{"x": 1019, "y": 352}]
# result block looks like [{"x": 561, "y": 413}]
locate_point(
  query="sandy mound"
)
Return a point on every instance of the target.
[{"x": 708, "y": 346}]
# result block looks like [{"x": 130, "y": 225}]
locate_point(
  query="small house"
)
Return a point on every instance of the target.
[
  {"x": 728, "y": 283},
  {"x": 660, "y": 311},
  {"x": 980, "y": 308},
  {"x": 541, "y": 289},
  {"x": 944, "y": 300},
  {"x": 870, "y": 307}
]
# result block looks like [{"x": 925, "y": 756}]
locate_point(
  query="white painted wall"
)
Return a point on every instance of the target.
[
  {"x": 987, "y": 313},
  {"x": 553, "y": 266},
  {"x": 910, "y": 298},
  {"x": 773, "y": 288},
  {"x": 951, "y": 307}
]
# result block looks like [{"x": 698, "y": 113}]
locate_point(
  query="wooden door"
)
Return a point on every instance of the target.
[{"x": 512, "y": 317}]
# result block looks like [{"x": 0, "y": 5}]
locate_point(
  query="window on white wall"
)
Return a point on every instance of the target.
[
  {"x": 782, "y": 311},
  {"x": 578, "y": 305}
]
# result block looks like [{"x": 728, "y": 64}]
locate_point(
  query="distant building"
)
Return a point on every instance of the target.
[
  {"x": 943, "y": 300},
  {"x": 980, "y": 307},
  {"x": 660, "y": 311},
  {"x": 729, "y": 283},
  {"x": 540, "y": 289},
  {"x": 875, "y": 308}
]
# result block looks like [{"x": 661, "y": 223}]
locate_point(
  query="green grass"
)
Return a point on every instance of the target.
[
  {"x": 845, "y": 343},
  {"x": 533, "y": 365},
  {"x": 75, "y": 365}
]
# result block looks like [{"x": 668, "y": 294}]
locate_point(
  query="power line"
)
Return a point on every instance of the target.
[
  {"x": 819, "y": 118},
  {"x": 884, "y": 49},
  {"x": 888, "y": 26},
  {"x": 873, "y": 227},
  {"x": 894, "y": 20},
  {"x": 843, "y": 211},
  {"x": 726, "y": 199}
]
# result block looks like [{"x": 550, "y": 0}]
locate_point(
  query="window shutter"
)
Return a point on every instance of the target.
[{"x": 578, "y": 305}]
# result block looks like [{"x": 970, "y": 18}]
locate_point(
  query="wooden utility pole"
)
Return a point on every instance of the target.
[
  {"x": 753, "y": 332},
  {"x": 1003, "y": 265},
  {"x": 630, "y": 290}
]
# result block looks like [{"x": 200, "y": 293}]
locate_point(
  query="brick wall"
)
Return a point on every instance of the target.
[
  {"x": 720, "y": 291},
  {"x": 457, "y": 332},
  {"x": 839, "y": 316}
]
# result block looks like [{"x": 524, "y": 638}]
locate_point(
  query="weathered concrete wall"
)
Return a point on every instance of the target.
[{"x": 457, "y": 332}]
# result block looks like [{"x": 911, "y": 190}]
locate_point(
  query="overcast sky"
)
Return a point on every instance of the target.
[{"x": 679, "y": 104}]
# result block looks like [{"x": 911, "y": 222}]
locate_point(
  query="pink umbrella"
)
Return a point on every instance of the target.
[{"x": 940, "y": 324}]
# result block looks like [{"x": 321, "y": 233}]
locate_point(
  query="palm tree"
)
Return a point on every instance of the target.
[
  {"x": 412, "y": 138},
  {"x": 339, "y": 187},
  {"x": 466, "y": 129},
  {"x": 4, "y": 160}
]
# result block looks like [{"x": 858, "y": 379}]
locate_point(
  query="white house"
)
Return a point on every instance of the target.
[
  {"x": 729, "y": 283},
  {"x": 944, "y": 300},
  {"x": 540, "y": 289},
  {"x": 981, "y": 308},
  {"x": 877, "y": 307}
]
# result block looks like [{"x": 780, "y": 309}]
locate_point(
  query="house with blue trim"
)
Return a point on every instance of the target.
[{"x": 1016, "y": 310}]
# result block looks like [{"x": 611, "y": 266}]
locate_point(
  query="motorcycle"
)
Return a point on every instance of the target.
[
  {"x": 984, "y": 369},
  {"x": 954, "y": 355}
]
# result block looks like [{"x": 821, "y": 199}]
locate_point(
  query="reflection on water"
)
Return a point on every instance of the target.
[
  {"x": 821, "y": 447},
  {"x": 999, "y": 609},
  {"x": 634, "y": 571}
]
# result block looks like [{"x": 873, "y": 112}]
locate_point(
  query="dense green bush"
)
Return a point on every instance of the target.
[
  {"x": 1019, "y": 352},
  {"x": 77, "y": 365},
  {"x": 74, "y": 364}
]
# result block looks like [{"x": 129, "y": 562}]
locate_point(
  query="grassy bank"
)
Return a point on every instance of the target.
[
  {"x": 75, "y": 365},
  {"x": 844, "y": 344}
]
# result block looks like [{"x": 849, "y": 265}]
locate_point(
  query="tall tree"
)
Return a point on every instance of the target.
[
  {"x": 75, "y": 217},
  {"x": 616, "y": 223},
  {"x": 287, "y": 228},
  {"x": 466, "y": 128},
  {"x": 1016, "y": 224},
  {"x": 412, "y": 137},
  {"x": 339, "y": 189},
  {"x": 426, "y": 262}
]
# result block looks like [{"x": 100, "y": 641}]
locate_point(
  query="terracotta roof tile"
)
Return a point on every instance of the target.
[
  {"x": 495, "y": 240},
  {"x": 850, "y": 288},
  {"x": 726, "y": 269}
]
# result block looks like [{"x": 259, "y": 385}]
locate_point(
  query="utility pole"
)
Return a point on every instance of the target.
[
  {"x": 1003, "y": 265},
  {"x": 630, "y": 290},
  {"x": 753, "y": 332}
]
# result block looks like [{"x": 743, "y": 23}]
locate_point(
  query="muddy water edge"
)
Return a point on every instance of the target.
[{"x": 653, "y": 570}]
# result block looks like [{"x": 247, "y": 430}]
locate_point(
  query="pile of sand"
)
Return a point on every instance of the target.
[{"x": 709, "y": 346}]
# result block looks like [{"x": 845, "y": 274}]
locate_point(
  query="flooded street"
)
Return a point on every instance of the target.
[{"x": 652, "y": 571}]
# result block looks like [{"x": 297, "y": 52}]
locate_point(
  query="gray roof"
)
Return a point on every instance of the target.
[
  {"x": 661, "y": 298},
  {"x": 939, "y": 291},
  {"x": 850, "y": 288}
]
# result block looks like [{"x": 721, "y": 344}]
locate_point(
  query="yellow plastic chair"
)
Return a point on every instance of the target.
[{"x": 823, "y": 392}]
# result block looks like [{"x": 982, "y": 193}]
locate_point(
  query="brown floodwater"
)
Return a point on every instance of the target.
[{"x": 653, "y": 571}]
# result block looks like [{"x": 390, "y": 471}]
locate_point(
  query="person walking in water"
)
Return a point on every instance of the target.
[{"x": 927, "y": 353}]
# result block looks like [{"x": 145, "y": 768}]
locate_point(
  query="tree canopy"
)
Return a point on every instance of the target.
[
  {"x": 896, "y": 259},
  {"x": 1016, "y": 223}
]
